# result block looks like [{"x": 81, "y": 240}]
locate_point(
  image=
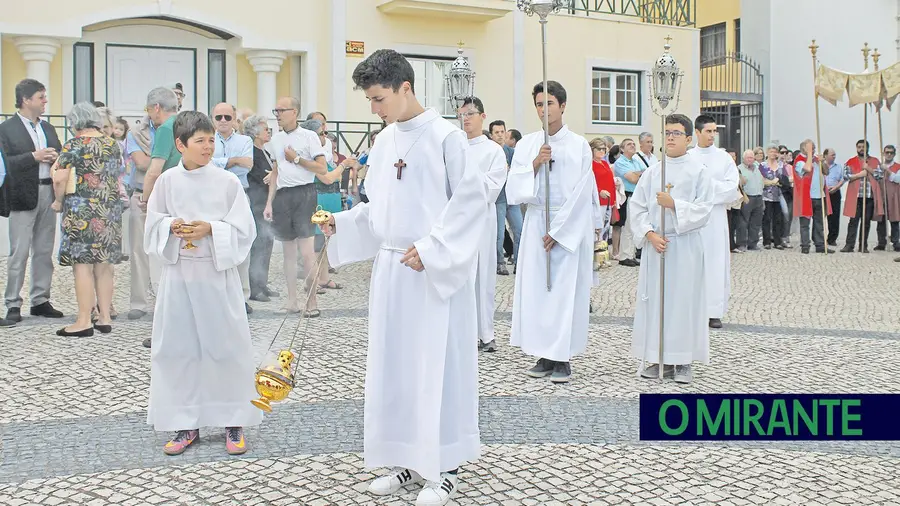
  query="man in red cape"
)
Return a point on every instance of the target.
[
  {"x": 808, "y": 190},
  {"x": 855, "y": 170},
  {"x": 892, "y": 200}
]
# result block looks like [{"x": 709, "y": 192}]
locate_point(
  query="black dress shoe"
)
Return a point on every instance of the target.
[
  {"x": 46, "y": 310},
  {"x": 248, "y": 308},
  {"x": 103, "y": 329},
  {"x": 7, "y": 323},
  {"x": 847, "y": 249},
  {"x": 88, "y": 332},
  {"x": 14, "y": 314},
  {"x": 715, "y": 323},
  {"x": 260, "y": 297},
  {"x": 269, "y": 292}
]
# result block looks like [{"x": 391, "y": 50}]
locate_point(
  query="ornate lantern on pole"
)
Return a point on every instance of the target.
[
  {"x": 543, "y": 8},
  {"x": 665, "y": 90},
  {"x": 460, "y": 81}
]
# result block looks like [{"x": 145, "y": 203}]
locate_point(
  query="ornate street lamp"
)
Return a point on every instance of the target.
[
  {"x": 460, "y": 81},
  {"x": 665, "y": 90},
  {"x": 543, "y": 8}
]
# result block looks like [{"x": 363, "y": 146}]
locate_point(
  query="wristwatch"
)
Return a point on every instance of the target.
[{"x": 296, "y": 160}]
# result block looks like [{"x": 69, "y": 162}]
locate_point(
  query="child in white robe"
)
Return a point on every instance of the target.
[{"x": 202, "y": 368}]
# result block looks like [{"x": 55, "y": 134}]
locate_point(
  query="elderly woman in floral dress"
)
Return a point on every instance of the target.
[{"x": 91, "y": 223}]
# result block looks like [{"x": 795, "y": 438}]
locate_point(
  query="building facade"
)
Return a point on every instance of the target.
[{"x": 760, "y": 52}]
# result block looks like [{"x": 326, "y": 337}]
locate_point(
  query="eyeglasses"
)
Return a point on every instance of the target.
[
  {"x": 470, "y": 114},
  {"x": 783, "y": 152},
  {"x": 226, "y": 117},
  {"x": 277, "y": 112},
  {"x": 889, "y": 152},
  {"x": 674, "y": 133}
]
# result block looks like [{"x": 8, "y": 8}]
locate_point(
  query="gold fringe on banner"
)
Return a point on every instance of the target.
[
  {"x": 890, "y": 78},
  {"x": 879, "y": 88},
  {"x": 831, "y": 84},
  {"x": 864, "y": 88}
]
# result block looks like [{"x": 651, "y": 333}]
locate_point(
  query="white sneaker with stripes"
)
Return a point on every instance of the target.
[
  {"x": 396, "y": 479},
  {"x": 438, "y": 493}
]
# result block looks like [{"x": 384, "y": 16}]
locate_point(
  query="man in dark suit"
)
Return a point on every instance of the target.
[{"x": 30, "y": 147}]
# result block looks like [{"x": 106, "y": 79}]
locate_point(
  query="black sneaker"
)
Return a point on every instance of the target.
[
  {"x": 542, "y": 369},
  {"x": 880, "y": 247},
  {"x": 260, "y": 297},
  {"x": 7, "y": 323},
  {"x": 561, "y": 373},
  {"x": 715, "y": 323},
  {"x": 490, "y": 347}
]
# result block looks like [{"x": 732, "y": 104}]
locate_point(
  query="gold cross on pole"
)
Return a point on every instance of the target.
[
  {"x": 865, "y": 52},
  {"x": 875, "y": 56},
  {"x": 813, "y": 48}
]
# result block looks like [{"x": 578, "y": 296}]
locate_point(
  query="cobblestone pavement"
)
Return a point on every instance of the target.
[{"x": 72, "y": 411}]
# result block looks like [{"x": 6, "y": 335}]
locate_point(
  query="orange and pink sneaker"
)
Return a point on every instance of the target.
[
  {"x": 234, "y": 441},
  {"x": 181, "y": 441}
]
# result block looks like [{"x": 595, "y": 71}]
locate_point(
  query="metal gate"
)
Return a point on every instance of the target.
[{"x": 731, "y": 91}]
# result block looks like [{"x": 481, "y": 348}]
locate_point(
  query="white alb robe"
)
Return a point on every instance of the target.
[
  {"x": 490, "y": 159},
  {"x": 686, "y": 325},
  {"x": 724, "y": 175},
  {"x": 554, "y": 325},
  {"x": 202, "y": 368},
  {"x": 421, "y": 405}
]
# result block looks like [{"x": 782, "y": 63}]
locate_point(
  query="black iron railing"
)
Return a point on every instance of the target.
[
  {"x": 58, "y": 121},
  {"x": 352, "y": 136},
  {"x": 657, "y": 12}
]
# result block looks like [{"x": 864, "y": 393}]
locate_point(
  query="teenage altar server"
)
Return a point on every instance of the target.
[
  {"x": 724, "y": 174},
  {"x": 689, "y": 203},
  {"x": 490, "y": 159},
  {"x": 424, "y": 224},
  {"x": 553, "y": 325},
  {"x": 201, "y": 372}
]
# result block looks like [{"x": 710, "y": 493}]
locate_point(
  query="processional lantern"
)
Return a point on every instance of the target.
[
  {"x": 665, "y": 84},
  {"x": 460, "y": 80}
]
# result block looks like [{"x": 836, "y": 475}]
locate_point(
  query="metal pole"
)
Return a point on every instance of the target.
[
  {"x": 865, "y": 162},
  {"x": 546, "y": 141},
  {"x": 875, "y": 57},
  {"x": 825, "y": 195},
  {"x": 662, "y": 257}
]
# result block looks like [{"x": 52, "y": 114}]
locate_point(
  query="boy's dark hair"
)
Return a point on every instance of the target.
[
  {"x": 613, "y": 153},
  {"x": 188, "y": 123},
  {"x": 681, "y": 119},
  {"x": 496, "y": 122},
  {"x": 699, "y": 123},
  {"x": 554, "y": 89},
  {"x": 474, "y": 101},
  {"x": 515, "y": 134},
  {"x": 386, "y": 68},
  {"x": 26, "y": 89}
]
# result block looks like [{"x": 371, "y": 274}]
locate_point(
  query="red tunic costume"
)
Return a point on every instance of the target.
[
  {"x": 802, "y": 200},
  {"x": 855, "y": 165},
  {"x": 603, "y": 174},
  {"x": 892, "y": 192}
]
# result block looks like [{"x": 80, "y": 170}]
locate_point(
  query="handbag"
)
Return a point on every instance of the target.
[{"x": 73, "y": 179}]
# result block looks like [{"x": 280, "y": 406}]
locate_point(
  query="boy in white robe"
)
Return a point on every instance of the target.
[
  {"x": 688, "y": 204},
  {"x": 725, "y": 180},
  {"x": 202, "y": 369},
  {"x": 553, "y": 325},
  {"x": 423, "y": 225},
  {"x": 490, "y": 159}
]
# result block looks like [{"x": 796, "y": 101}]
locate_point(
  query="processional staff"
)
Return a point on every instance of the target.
[
  {"x": 875, "y": 56},
  {"x": 665, "y": 90},
  {"x": 813, "y": 48},
  {"x": 865, "y": 162},
  {"x": 543, "y": 8}
]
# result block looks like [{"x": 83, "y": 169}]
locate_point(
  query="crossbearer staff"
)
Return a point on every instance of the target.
[
  {"x": 878, "y": 87},
  {"x": 543, "y": 8},
  {"x": 665, "y": 91}
]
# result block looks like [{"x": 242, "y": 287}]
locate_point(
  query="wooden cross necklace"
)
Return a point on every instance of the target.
[{"x": 400, "y": 165}]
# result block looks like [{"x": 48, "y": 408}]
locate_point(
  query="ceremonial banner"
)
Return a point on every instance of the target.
[
  {"x": 831, "y": 84},
  {"x": 890, "y": 78},
  {"x": 864, "y": 88}
]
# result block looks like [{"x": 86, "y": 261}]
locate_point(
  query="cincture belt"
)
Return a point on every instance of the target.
[
  {"x": 386, "y": 247},
  {"x": 541, "y": 207}
]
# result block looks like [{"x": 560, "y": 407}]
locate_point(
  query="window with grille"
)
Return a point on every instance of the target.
[
  {"x": 712, "y": 45},
  {"x": 616, "y": 97},
  {"x": 431, "y": 84},
  {"x": 737, "y": 35},
  {"x": 83, "y": 76}
]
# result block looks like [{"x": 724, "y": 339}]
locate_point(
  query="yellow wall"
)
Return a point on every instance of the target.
[
  {"x": 246, "y": 83},
  {"x": 13, "y": 72}
]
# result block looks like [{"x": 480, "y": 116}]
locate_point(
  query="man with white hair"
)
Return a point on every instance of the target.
[
  {"x": 645, "y": 150},
  {"x": 234, "y": 153},
  {"x": 162, "y": 106},
  {"x": 752, "y": 211}
]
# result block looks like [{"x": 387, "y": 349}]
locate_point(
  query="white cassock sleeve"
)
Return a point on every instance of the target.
[
  {"x": 449, "y": 250},
  {"x": 233, "y": 235},
  {"x": 639, "y": 208},
  {"x": 495, "y": 177},
  {"x": 725, "y": 187},
  {"x": 353, "y": 240},
  {"x": 577, "y": 214},
  {"x": 159, "y": 241},
  {"x": 692, "y": 215},
  {"x": 521, "y": 187}
]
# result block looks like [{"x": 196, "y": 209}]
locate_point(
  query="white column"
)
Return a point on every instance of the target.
[
  {"x": 338, "y": 60},
  {"x": 518, "y": 70},
  {"x": 266, "y": 64},
  {"x": 38, "y": 53}
]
